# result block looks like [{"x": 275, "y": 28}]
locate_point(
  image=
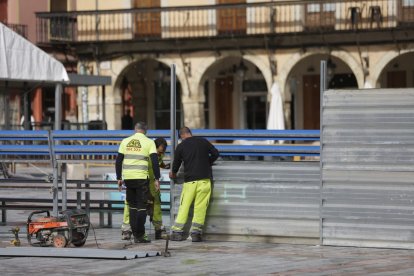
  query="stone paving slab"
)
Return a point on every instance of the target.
[{"x": 79, "y": 253}]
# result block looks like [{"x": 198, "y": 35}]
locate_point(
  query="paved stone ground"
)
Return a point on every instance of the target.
[
  {"x": 220, "y": 258},
  {"x": 207, "y": 258}
]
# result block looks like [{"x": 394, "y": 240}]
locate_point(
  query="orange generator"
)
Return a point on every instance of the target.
[{"x": 71, "y": 227}]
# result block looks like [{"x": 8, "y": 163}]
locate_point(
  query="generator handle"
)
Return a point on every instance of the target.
[{"x": 29, "y": 219}]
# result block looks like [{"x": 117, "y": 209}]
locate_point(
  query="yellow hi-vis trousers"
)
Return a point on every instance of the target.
[
  {"x": 198, "y": 191},
  {"x": 157, "y": 212},
  {"x": 157, "y": 215}
]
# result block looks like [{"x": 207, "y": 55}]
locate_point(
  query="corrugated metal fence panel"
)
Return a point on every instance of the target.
[
  {"x": 277, "y": 200},
  {"x": 368, "y": 168}
]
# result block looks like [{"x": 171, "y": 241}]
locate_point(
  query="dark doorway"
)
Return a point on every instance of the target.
[
  {"x": 224, "y": 103},
  {"x": 396, "y": 79},
  {"x": 162, "y": 105},
  {"x": 311, "y": 102},
  {"x": 255, "y": 111}
]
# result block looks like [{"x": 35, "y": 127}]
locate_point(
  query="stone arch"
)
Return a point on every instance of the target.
[
  {"x": 262, "y": 63},
  {"x": 376, "y": 72},
  {"x": 229, "y": 95},
  {"x": 259, "y": 61},
  {"x": 344, "y": 56},
  {"x": 142, "y": 94}
]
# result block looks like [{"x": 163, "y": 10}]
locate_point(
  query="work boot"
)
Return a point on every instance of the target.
[
  {"x": 160, "y": 234},
  {"x": 177, "y": 236},
  {"x": 143, "y": 239},
  {"x": 126, "y": 235},
  {"x": 126, "y": 232},
  {"x": 196, "y": 237}
]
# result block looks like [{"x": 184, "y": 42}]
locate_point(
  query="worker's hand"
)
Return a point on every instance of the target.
[
  {"x": 157, "y": 185},
  {"x": 120, "y": 185},
  {"x": 172, "y": 175}
]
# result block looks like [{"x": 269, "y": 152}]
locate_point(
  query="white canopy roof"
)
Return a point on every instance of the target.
[{"x": 20, "y": 60}]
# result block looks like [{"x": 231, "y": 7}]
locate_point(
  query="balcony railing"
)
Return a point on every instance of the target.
[
  {"x": 18, "y": 28},
  {"x": 281, "y": 17}
]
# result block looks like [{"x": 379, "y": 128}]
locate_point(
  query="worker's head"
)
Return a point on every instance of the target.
[
  {"x": 161, "y": 145},
  {"x": 185, "y": 133},
  {"x": 141, "y": 127}
]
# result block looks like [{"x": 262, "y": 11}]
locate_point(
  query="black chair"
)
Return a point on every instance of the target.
[
  {"x": 375, "y": 16},
  {"x": 354, "y": 13}
]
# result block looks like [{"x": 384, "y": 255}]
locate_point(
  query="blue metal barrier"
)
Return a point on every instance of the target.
[
  {"x": 255, "y": 134},
  {"x": 20, "y": 144},
  {"x": 211, "y": 134},
  {"x": 24, "y": 135},
  {"x": 115, "y": 135},
  {"x": 60, "y": 142}
]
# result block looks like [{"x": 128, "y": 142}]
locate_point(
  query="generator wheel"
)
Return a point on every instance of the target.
[
  {"x": 78, "y": 239},
  {"x": 79, "y": 243},
  {"x": 60, "y": 241}
]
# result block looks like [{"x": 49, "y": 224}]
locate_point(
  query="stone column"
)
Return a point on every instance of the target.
[
  {"x": 193, "y": 110},
  {"x": 192, "y": 98}
]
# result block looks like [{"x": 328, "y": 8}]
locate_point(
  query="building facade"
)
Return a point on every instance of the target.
[{"x": 228, "y": 55}]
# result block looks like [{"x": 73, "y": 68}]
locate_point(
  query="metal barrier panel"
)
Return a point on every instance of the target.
[
  {"x": 271, "y": 201},
  {"x": 367, "y": 160}
]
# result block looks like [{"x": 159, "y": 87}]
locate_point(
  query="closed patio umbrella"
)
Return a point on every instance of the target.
[{"x": 276, "y": 118}]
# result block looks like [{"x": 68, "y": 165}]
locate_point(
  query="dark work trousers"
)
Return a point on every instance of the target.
[{"x": 137, "y": 198}]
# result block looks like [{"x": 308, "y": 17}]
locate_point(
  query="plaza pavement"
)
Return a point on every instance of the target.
[{"x": 206, "y": 258}]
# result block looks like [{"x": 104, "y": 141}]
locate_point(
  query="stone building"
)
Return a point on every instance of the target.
[{"x": 228, "y": 55}]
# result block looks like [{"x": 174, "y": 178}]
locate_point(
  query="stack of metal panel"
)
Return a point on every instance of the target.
[{"x": 367, "y": 160}]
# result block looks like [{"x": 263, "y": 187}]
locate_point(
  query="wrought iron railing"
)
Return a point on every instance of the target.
[
  {"x": 279, "y": 17},
  {"x": 18, "y": 28}
]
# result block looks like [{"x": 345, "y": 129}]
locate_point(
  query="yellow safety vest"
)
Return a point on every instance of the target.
[
  {"x": 136, "y": 150},
  {"x": 151, "y": 171}
]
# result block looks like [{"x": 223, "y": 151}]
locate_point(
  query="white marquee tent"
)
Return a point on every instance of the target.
[
  {"x": 20, "y": 60},
  {"x": 23, "y": 64}
]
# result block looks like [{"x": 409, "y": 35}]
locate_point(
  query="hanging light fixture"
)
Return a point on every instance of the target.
[
  {"x": 331, "y": 66},
  {"x": 242, "y": 69},
  {"x": 159, "y": 71}
]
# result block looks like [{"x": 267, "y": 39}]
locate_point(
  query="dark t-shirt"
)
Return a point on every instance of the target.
[
  {"x": 127, "y": 122},
  {"x": 198, "y": 155}
]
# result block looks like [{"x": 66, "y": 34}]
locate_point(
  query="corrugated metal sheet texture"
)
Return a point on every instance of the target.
[
  {"x": 368, "y": 168},
  {"x": 272, "y": 201}
]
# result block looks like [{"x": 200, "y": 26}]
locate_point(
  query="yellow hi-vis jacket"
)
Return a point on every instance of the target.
[
  {"x": 150, "y": 170},
  {"x": 136, "y": 150}
]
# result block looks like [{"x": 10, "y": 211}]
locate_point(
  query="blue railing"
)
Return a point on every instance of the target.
[{"x": 230, "y": 142}]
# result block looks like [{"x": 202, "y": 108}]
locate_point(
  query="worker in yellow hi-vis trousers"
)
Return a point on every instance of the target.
[
  {"x": 198, "y": 155},
  {"x": 156, "y": 212},
  {"x": 132, "y": 168}
]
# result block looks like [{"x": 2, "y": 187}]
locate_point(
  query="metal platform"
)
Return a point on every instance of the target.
[{"x": 84, "y": 253}]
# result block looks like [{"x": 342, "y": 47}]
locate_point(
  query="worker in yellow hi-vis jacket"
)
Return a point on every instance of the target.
[
  {"x": 156, "y": 212},
  {"x": 198, "y": 155},
  {"x": 132, "y": 168}
]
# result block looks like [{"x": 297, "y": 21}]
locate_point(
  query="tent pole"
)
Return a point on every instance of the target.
[
  {"x": 6, "y": 107},
  {"x": 58, "y": 106},
  {"x": 26, "y": 111}
]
